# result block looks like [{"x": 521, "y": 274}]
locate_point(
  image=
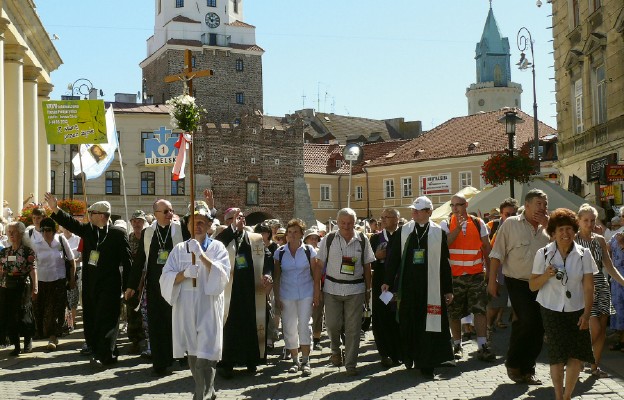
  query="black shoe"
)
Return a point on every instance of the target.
[
  {"x": 252, "y": 368},
  {"x": 86, "y": 350},
  {"x": 15, "y": 352},
  {"x": 28, "y": 346},
  {"x": 427, "y": 373},
  {"x": 183, "y": 362},
  {"x": 225, "y": 373},
  {"x": 97, "y": 364},
  {"x": 160, "y": 372}
]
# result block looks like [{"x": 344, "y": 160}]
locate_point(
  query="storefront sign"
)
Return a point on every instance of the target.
[
  {"x": 597, "y": 167},
  {"x": 436, "y": 184},
  {"x": 615, "y": 173},
  {"x": 607, "y": 192}
]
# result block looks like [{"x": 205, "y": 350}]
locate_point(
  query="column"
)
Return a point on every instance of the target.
[
  {"x": 31, "y": 128},
  {"x": 45, "y": 167},
  {"x": 14, "y": 125},
  {"x": 3, "y": 25}
]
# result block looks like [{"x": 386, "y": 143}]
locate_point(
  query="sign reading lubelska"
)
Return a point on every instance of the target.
[
  {"x": 161, "y": 151},
  {"x": 75, "y": 121}
]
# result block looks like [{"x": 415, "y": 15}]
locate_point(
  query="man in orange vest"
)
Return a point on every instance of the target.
[{"x": 469, "y": 248}]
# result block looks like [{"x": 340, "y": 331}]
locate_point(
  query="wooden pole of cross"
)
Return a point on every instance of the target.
[{"x": 187, "y": 77}]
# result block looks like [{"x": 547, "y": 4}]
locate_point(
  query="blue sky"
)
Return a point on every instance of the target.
[{"x": 372, "y": 59}]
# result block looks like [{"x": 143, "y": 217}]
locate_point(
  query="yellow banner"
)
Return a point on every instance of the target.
[{"x": 75, "y": 121}]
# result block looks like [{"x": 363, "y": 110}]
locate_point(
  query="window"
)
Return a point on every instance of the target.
[
  {"x": 177, "y": 187},
  {"x": 144, "y": 137},
  {"x": 406, "y": 186},
  {"x": 179, "y": 3},
  {"x": 465, "y": 179},
  {"x": 113, "y": 182},
  {"x": 77, "y": 189},
  {"x": 240, "y": 98},
  {"x": 118, "y": 139},
  {"x": 578, "y": 106},
  {"x": 388, "y": 188},
  {"x": 325, "y": 193},
  {"x": 193, "y": 63},
  {"x": 148, "y": 183},
  {"x": 240, "y": 65},
  {"x": 52, "y": 182},
  {"x": 594, "y": 5},
  {"x": 600, "y": 95},
  {"x": 359, "y": 192},
  {"x": 235, "y": 6},
  {"x": 211, "y": 3},
  {"x": 52, "y": 147},
  {"x": 576, "y": 13},
  {"x": 159, "y": 6}
]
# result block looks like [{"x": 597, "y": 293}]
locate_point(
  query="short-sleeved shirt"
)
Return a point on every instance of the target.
[
  {"x": 21, "y": 265},
  {"x": 296, "y": 281},
  {"x": 341, "y": 248},
  {"x": 516, "y": 244},
  {"x": 51, "y": 258},
  {"x": 553, "y": 294},
  {"x": 483, "y": 229}
]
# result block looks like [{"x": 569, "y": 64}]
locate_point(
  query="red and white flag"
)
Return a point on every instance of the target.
[{"x": 178, "y": 167}]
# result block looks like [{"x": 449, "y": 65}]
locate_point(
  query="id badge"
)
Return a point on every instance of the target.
[
  {"x": 240, "y": 262},
  {"x": 94, "y": 257},
  {"x": 348, "y": 265},
  {"x": 162, "y": 257},
  {"x": 12, "y": 258},
  {"x": 419, "y": 256}
]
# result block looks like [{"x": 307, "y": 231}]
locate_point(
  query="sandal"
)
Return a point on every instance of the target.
[
  {"x": 598, "y": 373},
  {"x": 619, "y": 346}
]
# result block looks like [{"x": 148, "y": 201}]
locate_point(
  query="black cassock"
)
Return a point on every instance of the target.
[
  {"x": 158, "y": 310},
  {"x": 240, "y": 338},
  {"x": 420, "y": 348},
  {"x": 102, "y": 284}
]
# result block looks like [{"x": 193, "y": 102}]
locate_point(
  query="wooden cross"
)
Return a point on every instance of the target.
[
  {"x": 187, "y": 76},
  {"x": 187, "y": 79}
]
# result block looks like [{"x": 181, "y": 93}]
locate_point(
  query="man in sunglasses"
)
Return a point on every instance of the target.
[
  {"x": 105, "y": 248},
  {"x": 157, "y": 241}
]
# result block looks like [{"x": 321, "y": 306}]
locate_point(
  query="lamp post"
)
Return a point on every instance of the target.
[
  {"x": 525, "y": 40},
  {"x": 352, "y": 152},
  {"x": 510, "y": 119}
]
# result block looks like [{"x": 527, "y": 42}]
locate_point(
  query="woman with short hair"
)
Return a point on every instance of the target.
[{"x": 563, "y": 274}]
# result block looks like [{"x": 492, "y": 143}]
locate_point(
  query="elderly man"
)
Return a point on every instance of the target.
[
  {"x": 347, "y": 256},
  {"x": 105, "y": 248},
  {"x": 419, "y": 258},
  {"x": 244, "y": 332},
  {"x": 157, "y": 240},
  {"x": 517, "y": 242},
  {"x": 469, "y": 248},
  {"x": 193, "y": 281}
]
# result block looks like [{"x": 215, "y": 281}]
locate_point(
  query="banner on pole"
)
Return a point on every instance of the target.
[
  {"x": 97, "y": 157},
  {"x": 161, "y": 151},
  {"x": 75, "y": 121}
]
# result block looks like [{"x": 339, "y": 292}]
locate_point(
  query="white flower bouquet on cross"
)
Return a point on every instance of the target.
[{"x": 185, "y": 113}]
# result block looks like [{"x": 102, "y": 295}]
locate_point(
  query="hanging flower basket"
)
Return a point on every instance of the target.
[
  {"x": 185, "y": 113},
  {"x": 26, "y": 215},
  {"x": 501, "y": 167},
  {"x": 73, "y": 207}
]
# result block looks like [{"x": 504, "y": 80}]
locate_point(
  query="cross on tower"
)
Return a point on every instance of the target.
[{"x": 187, "y": 76}]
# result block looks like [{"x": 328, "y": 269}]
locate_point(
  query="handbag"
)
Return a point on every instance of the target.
[{"x": 68, "y": 265}]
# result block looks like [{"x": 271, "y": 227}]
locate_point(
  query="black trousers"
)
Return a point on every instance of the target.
[{"x": 527, "y": 331}]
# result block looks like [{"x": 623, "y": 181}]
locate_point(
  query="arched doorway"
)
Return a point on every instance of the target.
[{"x": 257, "y": 217}]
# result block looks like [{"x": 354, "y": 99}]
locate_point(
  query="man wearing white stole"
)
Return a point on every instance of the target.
[{"x": 195, "y": 291}]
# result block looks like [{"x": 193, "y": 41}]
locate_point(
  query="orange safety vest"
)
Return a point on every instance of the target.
[{"x": 465, "y": 252}]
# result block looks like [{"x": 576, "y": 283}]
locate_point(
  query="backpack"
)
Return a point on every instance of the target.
[
  {"x": 306, "y": 248},
  {"x": 474, "y": 219},
  {"x": 495, "y": 225}
]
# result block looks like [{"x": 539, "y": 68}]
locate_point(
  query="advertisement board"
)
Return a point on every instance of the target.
[{"x": 75, "y": 121}]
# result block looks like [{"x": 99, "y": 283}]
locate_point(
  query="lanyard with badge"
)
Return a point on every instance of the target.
[
  {"x": 347, "y": 266},
  {"x": 94, "y": 256},
  {"x": 240, "y": 261},
  {"x": 163, "y": 254},
  {"x": 418, "y": 257}
]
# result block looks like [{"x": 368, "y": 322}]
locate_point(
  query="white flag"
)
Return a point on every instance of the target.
[{"x": 97, "y": 157}]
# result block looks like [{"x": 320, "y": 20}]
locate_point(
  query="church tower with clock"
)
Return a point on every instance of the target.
[
  {"x": 220, "y": 40},
  {"x": 493, "y": 89}
]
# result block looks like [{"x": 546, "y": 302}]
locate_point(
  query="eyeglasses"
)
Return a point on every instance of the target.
[
  {"x": 458, "y": 204},
  {"x": 167, "y": 211},
  {"x": 96, "y": 213},
  {"x": 46, "y": 229}
]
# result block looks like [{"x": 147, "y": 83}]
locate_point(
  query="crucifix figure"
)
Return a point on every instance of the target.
[{"x": 187, "y": 79}]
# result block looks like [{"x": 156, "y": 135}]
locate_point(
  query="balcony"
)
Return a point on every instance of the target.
[{"x": 217, "y": 40}]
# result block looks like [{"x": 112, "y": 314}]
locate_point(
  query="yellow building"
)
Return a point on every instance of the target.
[
  {"x": 27, "y": 58},
  {"x": 589, "y": 72},
  {"x": 437, "y": 164}
]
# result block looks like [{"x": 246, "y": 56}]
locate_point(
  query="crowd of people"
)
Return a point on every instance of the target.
[{"x": 215, "y": 296}]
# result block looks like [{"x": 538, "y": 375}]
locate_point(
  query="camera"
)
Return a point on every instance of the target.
[{"x": 559, "y": 274}]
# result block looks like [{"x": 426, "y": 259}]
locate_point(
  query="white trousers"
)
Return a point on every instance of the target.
[{"x": 296, "y": 324}]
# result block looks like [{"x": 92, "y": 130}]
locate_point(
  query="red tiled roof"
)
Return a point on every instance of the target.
[
  {"x": 138, "y": 108},
  {"x": 185, "y": 42},
  {"x": 180, "y": 18},
  {"x": 454, "y": 137},
  {"x": 248, "y": 47},
  {"x": 240, "y": 23}
]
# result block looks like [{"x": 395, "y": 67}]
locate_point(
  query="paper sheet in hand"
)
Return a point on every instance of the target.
[{"x": 386, "y": 297}]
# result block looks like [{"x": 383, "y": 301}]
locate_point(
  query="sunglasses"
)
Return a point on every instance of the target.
[
  {"x": 168, "y": 211},
  {"x": 96, "y": 213}
]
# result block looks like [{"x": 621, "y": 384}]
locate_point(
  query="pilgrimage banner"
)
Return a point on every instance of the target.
[
  {"x": 97, "y": 157},
  {"x": 75, "y": 121}
]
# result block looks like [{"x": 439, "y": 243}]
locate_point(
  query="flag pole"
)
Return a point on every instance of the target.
[
  {"x": 192, "y": 187},
  {"x": 123, "y": 178},
  {"x": 84, "y": 184}
]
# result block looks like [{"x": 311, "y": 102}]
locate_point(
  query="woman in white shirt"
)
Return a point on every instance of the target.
[
  {"x": 52, "y": 249},
  {"x": 294, "y": 289},
  {"x": 563, "y": 273}
]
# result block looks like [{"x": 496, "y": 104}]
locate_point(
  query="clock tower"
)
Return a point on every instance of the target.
[
  {"x": 220, "y": 40},
  {"x": 494, "y": 89}
]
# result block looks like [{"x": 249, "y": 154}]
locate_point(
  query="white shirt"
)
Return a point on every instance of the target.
[
  {"x": 50, "y": 259},
  {"x": 296, "y": 281},
  {"x": 197, "y": 314},
  {"x": 552, "y": 295}
]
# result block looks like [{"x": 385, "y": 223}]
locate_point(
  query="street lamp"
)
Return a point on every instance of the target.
[
  {"x": 510, "y": 119},
  {"x": 352, "y": 152},
  {"x": 524, "y": 63}
]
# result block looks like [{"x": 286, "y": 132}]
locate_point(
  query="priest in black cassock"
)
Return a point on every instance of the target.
[
  {"x": 245, "y": 314},
  {"x": 105, "y": 249},
  {"x": 419, "y": 258}
]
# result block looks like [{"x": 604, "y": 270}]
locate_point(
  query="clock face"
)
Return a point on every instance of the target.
[{"x": 212, "y": 20}]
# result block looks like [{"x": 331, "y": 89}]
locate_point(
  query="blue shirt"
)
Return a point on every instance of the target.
[{"x": 296, "y": 281}]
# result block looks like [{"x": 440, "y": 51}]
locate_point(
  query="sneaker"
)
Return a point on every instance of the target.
[
  {"x": 458, "y": 352},
  {"x": 294, "y": 369},
  {"x": 305, "y": 369},
  {"x": 336, "y": 359},
  {"x": 485, "y": 354}
]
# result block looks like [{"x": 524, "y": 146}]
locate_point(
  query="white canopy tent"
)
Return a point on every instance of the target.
[
  {"x": 558, "y": 197},
  {"x": 444, "y": 210}
]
